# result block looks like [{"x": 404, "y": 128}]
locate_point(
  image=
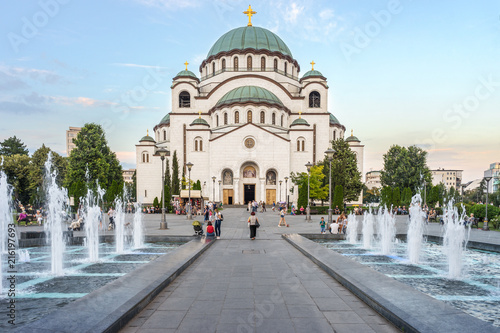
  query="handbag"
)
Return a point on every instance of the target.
[{"x": 257, "y": 224}]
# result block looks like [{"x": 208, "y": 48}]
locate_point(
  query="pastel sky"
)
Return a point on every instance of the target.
[{"x": 400, "y": 72}]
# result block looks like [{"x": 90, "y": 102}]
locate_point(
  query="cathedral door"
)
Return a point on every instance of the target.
[
  {"x": 270, "y": 196},
  {"x": 249, "y": 191},
  {"x": 228, "y": 197}
]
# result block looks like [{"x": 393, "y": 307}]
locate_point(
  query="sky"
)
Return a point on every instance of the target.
[{"x": 423, "y": 73}]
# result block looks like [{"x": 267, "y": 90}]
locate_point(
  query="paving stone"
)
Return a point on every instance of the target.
[
  {"x": 164, "y": 319},
  {"x": 343, "y": 317},
  {"x": 304, "y": 311},
  {"x": 312, "y": 325}
]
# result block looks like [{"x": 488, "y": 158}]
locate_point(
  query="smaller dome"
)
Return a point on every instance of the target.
[
  {"x": 334, "y": 120},
  {"x": 299, "y": 121},
  {"x": 147, "y": 138},
  {"x": 312, "y": 73},
  {"x": 165, "y": 120},
  {"x": 199, "y": 121},
  {"x": 352, "y": 138},
  {"x": 187, "y": 73}
]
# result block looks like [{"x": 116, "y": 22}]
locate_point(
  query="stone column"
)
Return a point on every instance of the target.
[
  {"x": 262, "y": 190},
  {"x": 236, "y": 187}
]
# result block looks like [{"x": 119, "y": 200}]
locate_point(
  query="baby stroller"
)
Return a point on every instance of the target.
[{"x": 198, "y": 230}]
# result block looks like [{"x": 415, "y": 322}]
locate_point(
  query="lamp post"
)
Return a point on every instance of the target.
[
  {"x": 189, "y": 166},
  {"x": 280, "y": 189},
  {"x": 286, "y": 192},
  {"x": 213, "y": 180},
  {"x": 485, "y": 223},
  {"x": 329, "y": 154},
  {"x": 162, "y": 152},
  {"x": 308, "y": 209},
  {"x": 220, "y": 181}
]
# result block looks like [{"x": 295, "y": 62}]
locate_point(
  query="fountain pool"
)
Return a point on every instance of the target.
[
  {"x": 39, "y": 291},
  {"x": 476, "y": 293}
]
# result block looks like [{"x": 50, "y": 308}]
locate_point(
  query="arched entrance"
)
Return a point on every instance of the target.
[{"x": 249, "y": 175}]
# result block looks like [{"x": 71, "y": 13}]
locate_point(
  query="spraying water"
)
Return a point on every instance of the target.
[
  {"x": 120, "y": 225},
  {"x": 352, "y": 228},
  {"x": 5, "y": 219},
  {"x": 138, "y": 227},
  {"x": 92, "y": 215},
  {"x": 386, "y": 230},
  {"x": 24, "y": 256},
  {"x": 368, "y": 231},
  {"x": 57, "y": 199},
  {"x": 416, "y": 229},
  {"x": 454, "y": 240}
]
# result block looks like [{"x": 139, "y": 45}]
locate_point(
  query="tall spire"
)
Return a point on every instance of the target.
[{"x": 249, "y": 12}]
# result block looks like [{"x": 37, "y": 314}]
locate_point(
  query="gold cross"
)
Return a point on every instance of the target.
[
  {"x": 199, "y": 114},
  {"x": 147, "y": 132},
  {"x": 352, "y": 132},
  {"x": 249, "y": 12},
  {"x": 186, "y": 63},
  {"x": 300, "y": 114},
  {"x": 312, "y": 63}
]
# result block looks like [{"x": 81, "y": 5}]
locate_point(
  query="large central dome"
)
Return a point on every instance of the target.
[{"x": 249, "y": 37}]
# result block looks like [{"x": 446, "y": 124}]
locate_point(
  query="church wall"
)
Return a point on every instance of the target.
[
  {"x": 323, "y": 93},
  {"x": 175, "y": 97},
  {"x": 148, "y": 175}
]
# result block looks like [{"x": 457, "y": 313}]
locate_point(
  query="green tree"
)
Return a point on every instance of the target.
[
  {"x": 316, "y": 189},
  {"x": 37, "y": 172},
  {"x": 344, "y": 171},
  {"x": 370, "y": 195},
  {"x": 17, "y": 169},
  {"x": 441, "y": 194},
  {"x": 386, "y": 196},
  {"x": 338, "y": 197},
  {"x": 13, "y": 146},
  {"x": 197, "y": 185},
  {"x": 405, "y": 167},
  {"x": 93, "y": 155},
  {"x": 176, "y": 183},
  {"x": 155, "y": 202},
  {"x": 396, "y": 197},
  {"x": 168, "y": 188},
  {"x": 302, "y": 199},
  {"x": 406, "y": 198},
  {"x": 432, "y": 195}
]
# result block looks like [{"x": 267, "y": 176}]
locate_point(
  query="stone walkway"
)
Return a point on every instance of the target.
[{"x": 266, "y": 285}]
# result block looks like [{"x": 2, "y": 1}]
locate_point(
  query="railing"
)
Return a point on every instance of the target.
[{"x": 243, "y": 70}]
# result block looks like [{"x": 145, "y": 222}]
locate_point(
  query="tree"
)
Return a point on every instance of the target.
[
  {"x": 13, "y": 146},
  {"x": 92, "y": 160},
  {"x": 432, "y": 195},
  {"x": 396, "y": 197},
  {"x": 197, "y": 185},
  {"x": 37, "y": 172},
  {"x": 370, "y": 195},
  {"x": 344, "y": 171},
  {"x": 338, "y": 197},
  {"x": 155, "y": 202},
  {"x": 17, "y": 169},
  {"x": 316, "y": 188},
  {"x": 176, "y": 183},
  {"x": 168, "y": 188},
  {"x": 302, "y": 199},
  {"x": 405, "y": 167},
  {"x": 386, "y": 196},
  {"x": 406, "y": 197}
]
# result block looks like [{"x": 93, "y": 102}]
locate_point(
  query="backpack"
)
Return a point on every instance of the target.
[{"x": 221, "y": 217}]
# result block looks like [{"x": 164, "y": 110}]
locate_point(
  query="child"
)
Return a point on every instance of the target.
[
  {"x": 322, "y": 224},
  {"x": 210, "y": 229}
]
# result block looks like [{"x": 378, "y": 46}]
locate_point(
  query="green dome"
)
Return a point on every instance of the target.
[
  {"x": 165, "y": 120},
  {"x": 147, "y": 138},
  {"x": 352, "y": 138},
  {"x": 186, "y": 73},
  {"x": 312, "y": 73},
  {"x": 299, "y": 121},
  {"x": 249, "y": 37},
  {"x": 199, "y": 121},
  {"x": 333, "y": 120},
  {"x": 249, "y": 94}
]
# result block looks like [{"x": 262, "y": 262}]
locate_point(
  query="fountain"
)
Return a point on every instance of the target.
[
  {"x": 56, "y": 212},
  {"x": 416, "y": 229},
  {"x": 138, "y": 227},
  {"x": 352, "y": 229},
  {"x": 454, "y": 240},
  {"x": 24, "y": 256},
  {"x": 386, "y": 225},
  {"x": 119, "y": 225},
  {"x": 368, "y": 230},
  {"x": 5, "y": 219},
  {"x": 92, "y": 215}
]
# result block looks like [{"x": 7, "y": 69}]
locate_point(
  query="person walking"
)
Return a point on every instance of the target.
[
  {"x": 282, "y": 218},
  {"x": 253, "y": 223},
  {"x": 218, "y": 220}
]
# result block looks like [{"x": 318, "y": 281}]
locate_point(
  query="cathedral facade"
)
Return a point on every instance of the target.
[{"x": 245, "y": 123}]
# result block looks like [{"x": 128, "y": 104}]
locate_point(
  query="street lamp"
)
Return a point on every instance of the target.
[
  {"x": 308, "y": 209},
  {"x": 162, "y": 152},
  {"x": 220, "y": 181},
  {"x": 286, "y": 192},
  {"x": 329, "y": 154},
  {"x": 189, "y": 166},
  {"x": 280, "y": 189},
  {"x": 213, "y": 180},
  {"x": 485, "y": 223}
]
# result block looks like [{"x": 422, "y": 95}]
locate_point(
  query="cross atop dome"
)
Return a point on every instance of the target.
[
  {"x": 312, "y": 64},
  {"x": 249, "y": 12},
  {"x": 199, "y": 114},
  {"x": 186, "y": 63}
]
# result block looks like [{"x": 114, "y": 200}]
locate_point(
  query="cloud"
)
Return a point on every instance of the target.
[
  {"x": 293, "y": 12},
  {"x": 326, "y": 14},
  {"x": 40, "y": 75},
  {"x": 169, "y": 4},
  {"x": 10, "y": 82},
  {"x": 83, "y": 101},
  {"x": 139, "y": 66},
  {"x": 22, "y": 108}
]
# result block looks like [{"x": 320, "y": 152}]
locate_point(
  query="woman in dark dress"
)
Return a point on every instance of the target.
[{"x": 253, "y": 222}]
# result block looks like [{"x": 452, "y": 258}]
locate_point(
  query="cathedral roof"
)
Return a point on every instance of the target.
[
  {"x": 334, "y": 120},
  {"x": 249, "y": 37},
  {"x": 147, "y": 138},
  {"x": 249, "y": 94},
  {"x": 312, "y": 73},
  {"x": 165, "y": 120},
  {"x": 199, "y": 121},
  {"x": 299, "y": 121},
  {"x": 186, "y": 73},
  {"x": 352, "y": 138}
]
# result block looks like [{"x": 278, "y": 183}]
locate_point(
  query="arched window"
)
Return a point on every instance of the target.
[
  {"x": 263, "y": 64},
  {"x": 145, "y": 157},
  {"x": 301, "y": 144},
  {"x": 198, "y": 144},
  {"x": 225, "y": 118},
  {"x": 286, "y": 67},
  {"x": 282, "y": 122},
  {"x": 249, "y": 63},
  {"x": 273, "y": 120},
  {"x": 217, "y": 121},
  {"x": 195, "y": 145},
  {"x": 236, "y": 117},
  {"x": 223, "y": 64},
  {"x": 334, "y": 135},
  {"x": 275, "y": 64},
  {"x": 235, "y": 64},
  {"x": 314, "y": 100},
  {"x": 164, "y": 135},
  {"x": 213, "y": 68},
  {"x": 249, "y": 116},
  {"x": 184, "y": 100},
  {"x": 262, "y": 117}
]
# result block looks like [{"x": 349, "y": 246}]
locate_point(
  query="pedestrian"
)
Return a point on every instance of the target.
[
  {"x": 253, "y": 223},
  {"x": 282, "y": 218},
  {"x": 218, "y": 220},
  {"x": 210, "y": 229},
  {"x": 274, "y": 206},
  {"x": 322, "y": 224},
  {"x": 206, "y": 213},
  {"x": 263, "y": 206}
]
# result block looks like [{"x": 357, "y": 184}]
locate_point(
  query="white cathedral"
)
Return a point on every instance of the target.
[{"x": 249, "y": 120}]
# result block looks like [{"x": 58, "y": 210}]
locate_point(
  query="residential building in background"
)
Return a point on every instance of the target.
[
  {"x": 70, "y": 135},
  {"x": 448, "y": 177},
  {"x": 373, "y": 179},
  {"x": 128, "y": 175},
  {"x": 493, "y": 171}
]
